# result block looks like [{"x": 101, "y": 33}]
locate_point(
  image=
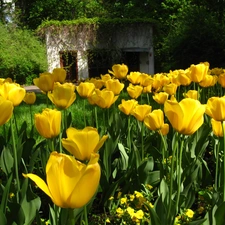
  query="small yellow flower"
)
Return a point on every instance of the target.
[
  {"x": 138, "y": 194},
  {"x": 123, "y": 201},
  {"x": 119, "y": 212},
  {"x": 107, "y": 220},
  {"x": 189, "y": 213},
  {"x": 111, "y": 198},
  {"x": 11, "y": 195},
  {"x": 132, "y": 197}
]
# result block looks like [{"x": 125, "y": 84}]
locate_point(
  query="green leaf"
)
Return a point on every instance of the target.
[
  {"x": 6, "y": 161},
  {"x": 30, "y": 209},
  {"x": 154, "y": 217},
  {"x": 5, "y": 195},
  {"x": 3, "y": 220},
  {"x": 124, "y": 157},
  {"x": 197, "y": 222},
  {"x": 220, "y": 214},
  {"x": 145, "y": 169}
]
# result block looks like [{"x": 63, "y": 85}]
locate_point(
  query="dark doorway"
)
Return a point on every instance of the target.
[
  {"x": 68, "y": 60},
  {"x": 132, "y": 60}
]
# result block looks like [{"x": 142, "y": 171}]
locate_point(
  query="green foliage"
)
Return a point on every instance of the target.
[{"x": 22, "y": 54}]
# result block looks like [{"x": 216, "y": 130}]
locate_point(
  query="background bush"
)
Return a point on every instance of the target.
[{"x": 22, "y": 55}]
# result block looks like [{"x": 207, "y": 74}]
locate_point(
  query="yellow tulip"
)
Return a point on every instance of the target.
[
  {"x": 198, "y": 72},
  {"x": 114, "y": 85},
  {"x": 85, "y": 89},
  {"x": 154, "y": 120},
  {"x": 48, "y": 123},
  {"x": 141, "y": 111},
  {"x": 103, "y": 98},
  {"x": 45, "y": 82},
  {"x": 30, "y": 98},
  {"x": 185, "y": 116},
  {"x": 119, "y": 71},
  {"x": 70, "y": 184},
  {"x": 134, "y": 91},
  {"x": 127, "y": 106},
  {"x": 6, "y": 110},
  {"x": 215, "y": 108},
  {"x": 105, "y": 77},
  {"x": 208, "y": 81},
  {"x": 170, "y": 88},
  {"x": 82, "y": 143},
  {"x": 59, "y": 75},
  {"x": 182, "y": 78},
  {"x": 160, "y": 97},
  {"x": 134, "y": 77},
  {"x": 97, "y": 82},
  {"x": 192, "y": 94},
  {"x": 165, "y": 129},
  {"x": 12, "y": 92},
  {"x": 221, "y": 80},
  {"x": 217, "y": 127},
  {"x": 63, "y": 95}
]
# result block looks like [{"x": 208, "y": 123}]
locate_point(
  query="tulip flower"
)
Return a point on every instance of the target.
[
  {"x": 63, "y": 95},
  {"x": 106, "y": 77},
  {"x": 134, "y": 91},
  {"x": 69, "y": 183},
  {"x": 48, "y": 123},
  {"x": 170, "y": 88},
  {"x": 103, "y": 98},
  {"x": 59, "y": 75},
  {"x": 192, "y": 94},
  {"x": 160, "y": 97},
  {"x": 217, "y": 127},
  {"x": 141, "y": 111},
  {"x": 12, "y": 92},
  {"x": 208, "y": 81},
  {"x": 114, "y": 85},
  {"x": 6, "y": 110},
  {"x": 82, "y": 143},
  {"x": 134, "y": 77},
  {"x": 165, "y": 129},
  {"x": 215, "y": 108},
  {"x": 198, "y": 72},
  {"x": 127, "y": 106},
  {"x": 119, "y": 71},
  {"x": 185, "y": 116},
  {"x": 45, "y": 82},
  {"x": 85, "y": 89},
  {"x": 182, "y": 78},
  {"x": 154, "y": 120},
  {"x": 221, "y": 80},
  {"x": 30, "y": 98},
  {"x": 97, "y": 82}
]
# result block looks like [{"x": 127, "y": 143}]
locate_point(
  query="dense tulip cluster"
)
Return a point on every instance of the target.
[{"x": 152, "y": 107}]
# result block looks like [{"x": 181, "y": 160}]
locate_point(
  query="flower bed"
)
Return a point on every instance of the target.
[{"x": 150, "y": 150}]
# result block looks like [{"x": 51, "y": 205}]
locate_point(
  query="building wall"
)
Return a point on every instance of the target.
[{"x": 133, "y": 37}]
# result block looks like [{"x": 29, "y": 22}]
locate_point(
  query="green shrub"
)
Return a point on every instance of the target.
[{"x": 22, "y": 55}]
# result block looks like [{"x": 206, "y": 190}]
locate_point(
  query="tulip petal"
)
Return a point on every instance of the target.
[{"x": 39, "y": 182}]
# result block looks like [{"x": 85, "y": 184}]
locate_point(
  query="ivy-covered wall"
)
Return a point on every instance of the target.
[{"x": 113, "y": 35}]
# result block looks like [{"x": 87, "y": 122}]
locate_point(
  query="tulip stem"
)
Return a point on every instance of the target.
[
  {"x": 142, "y": 140},
  {"x": 217, "y": 148},
  {"x": 179, "y": 173},
  {"x": 15, "y": 161},
  {"x": 171, "y": 175},
  {"x": 85, "y": 215},
  {"x": 223, "y": 160},
  {"x": 85, "y": 124},
  {"x": 96, "y": 116}
]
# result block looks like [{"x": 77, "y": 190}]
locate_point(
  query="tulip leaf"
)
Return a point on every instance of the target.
[
  {"x": 6, "y": 194},
  {"x": 197, "y": 222},
  {"x": 220, "y": 214},
  {"x": 124, "y": 156},
  {"x": 154, "y": 217},
  {"x": 30, "y": 209},
  {"x": 6, "y": 161},
  {"x": 3, "y": 220},
  {"x": 16, "y": 215}
]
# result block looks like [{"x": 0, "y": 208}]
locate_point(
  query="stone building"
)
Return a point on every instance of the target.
[{"x": 90, "y": 49}]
